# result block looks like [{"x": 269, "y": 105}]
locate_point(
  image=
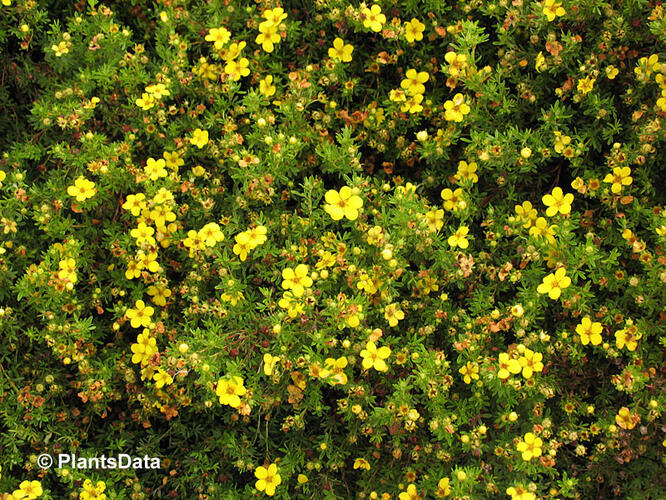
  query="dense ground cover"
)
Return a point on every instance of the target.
[{"x": 402, "y": 250}]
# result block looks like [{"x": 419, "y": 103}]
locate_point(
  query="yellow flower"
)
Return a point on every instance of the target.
[
  {"x": 628, "y": 337},
  {"x": 541, "y": 228},
  {"x": 459, "y": 238},
  {"x": 144, "y": 348},
  {"x": 340, "y": 51},
  {"x": 520, "y": 492},
  {"x": 229, "y": 391},
  {"x": 551, "y": 9},
  {"x": 413, "y": 104},
  {"x": 267, "y": 479},
  {"x": 269, "y": 364},
  {"x": 646, "y": 66},
  {"x": 199, "y": 138},
  {"x": 611, "y": 72},
  {"x": 219, "y": 36},
  {"x": 414, "y": 30},
  {"x": 143, "y": 234},
  {"x": 435, "y": 219},
  {"x": 361, "y": 463},
  {"x": 456, "y": 109},
  {"x": 410, "y": 494},
  {"x": 374, "y": 358},
  {"x": 554, "y": 283},
  {"x": 540, "y": 62},
  {"x": 393, "y": 314},
  {"x": 60, "y": 49},
  {"x": 296, "y": 280},
  {"x": 237, "y": 69},
  {"x": 29, "y": 490},
  {"x": 159, "y": 294},
  {"x": 242, "y": 246},
  {"x": 589, "y": 332},
  {"x": 3, "y": 176},
  {"x": 469, "y": 372},
  {"x": 507, "y": 366},
  {"x": 93, "y": 491},
  {"x": 140, "y": 315},
  {"x": 6, "y": 3},
  {"x": 162, "y": 378},
  {"x": 413, "y": 81},
  {"x": 443, "y": 488},
  {"x": 302, "y": 479},
  {"x": 157, "y": 90},
  {"x": 146, "y": 101},
  {"x": 291, "y": 304},
  {"x": 211, "y": 234},
  {"x": 335, "y": 369},
  {"x": 266, "y": 86},
  {"x": 530, "y": 447},
  {"x": 626, "y": 419},
  {"x": 268, "y": 37},
  {"x": 530, "y": 362},
  {"x": 373, "y": 18},
  {"x": 561, "y": 141},
  {"x": 467, "y": 171},
  {"x": 557, "y": 201},
  {"x": 342, "y": 204},
  {"x": 586, "y": 85},
  {"x": 274, "y": 16},
  {"x": 621, "y": 176},
  {"x": 173, "y": 160},
  {"x": 527, "y": 213},
  {"x": 452, "y": 199},
  {"x": 82, "y": 189},
  {"x": 257, "y": 236},
  {"x": 457, "y": 63},
  {"x": 155, "y": 169}
]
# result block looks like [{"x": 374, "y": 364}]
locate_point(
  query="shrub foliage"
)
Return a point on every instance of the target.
[{"x": 328, "y": 250}]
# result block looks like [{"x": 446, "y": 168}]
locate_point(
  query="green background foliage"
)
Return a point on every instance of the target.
[{"x": 68, "y": 382}]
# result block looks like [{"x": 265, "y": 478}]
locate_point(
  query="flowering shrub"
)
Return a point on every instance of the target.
[{"x": 397, "y": 250}]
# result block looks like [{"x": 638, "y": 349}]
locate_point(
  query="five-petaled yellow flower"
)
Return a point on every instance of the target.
[
  {"x": 586, "y": 85},
  {"x": 199, "y": 138},
  {"x": 393, "y": 314},
  {"x": 589, "y": 332},
  {"x": 414, "y": 30},
  {"x": 140, "y": 315},
  {"x": 551, "y": 9},
  {"x": 229, "y": 391},
  {"x": 267, "y": 479},
  {"x": 530, "y": 447},
  {"x": 470, "y": 371},
  {"x": 459, "y": 238},
  {"x": 296, "y": 280},
  {"x": 342, "y": 204},
  {"x": 456, "y": 109},
  {"x": 266, "y": 86},
  {"x": 374, "y": 358},
  {"x": 626, "y": 419},
  {"x": 621, "y": 176},
  {"x": 554, "y": 283},
  {"x": 82, "y": 189},
  {"x": 557, "y": 201},
  {"x": 410, "y": 494},
  {"x": 373, "y": 18},
  {"x": 219, "y": 36},
  {"x": 340, "y": 51}
]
